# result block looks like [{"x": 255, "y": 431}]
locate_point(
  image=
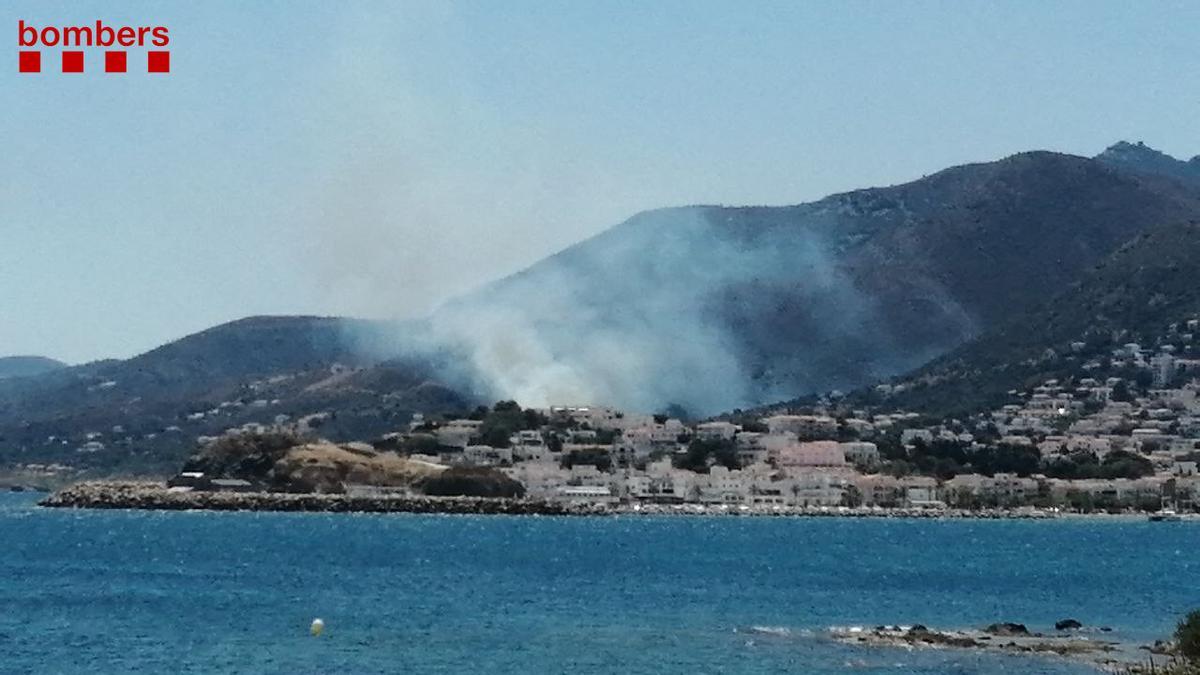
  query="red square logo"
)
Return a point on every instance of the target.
[
  {"x": 158, "y": 62},
  {"x": 29, "y": 62},
  {"x": 72, "y": 62},
  {"x": 114, "y": 62}
]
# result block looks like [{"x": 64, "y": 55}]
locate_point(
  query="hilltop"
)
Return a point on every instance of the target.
[
  {"x": 1141, "y": 158},
  {"x": 25, "y": 366}
]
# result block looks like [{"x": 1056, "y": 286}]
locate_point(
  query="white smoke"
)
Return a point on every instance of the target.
[{"x": 631, "y": 318}]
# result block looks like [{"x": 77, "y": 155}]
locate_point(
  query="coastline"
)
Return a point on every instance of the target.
[
  {"x": 145, "y": 495},
  {"x": 157, "y": 497},
  {"x": 1100, "y": 649}
]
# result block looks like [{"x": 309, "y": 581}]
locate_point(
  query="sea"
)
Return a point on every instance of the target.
[{"x": 199, "y": 592}]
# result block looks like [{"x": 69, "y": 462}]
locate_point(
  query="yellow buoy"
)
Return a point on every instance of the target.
[{"x": 316, "y": 627}]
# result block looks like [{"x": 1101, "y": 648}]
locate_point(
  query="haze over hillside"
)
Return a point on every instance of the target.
[{"x": 717, "y": 307}]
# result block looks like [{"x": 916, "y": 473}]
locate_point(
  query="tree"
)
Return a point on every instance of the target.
[
  {"x": 1187, "y": 636},
  {"x": 749, "y": 424},
  {"x": 1022, "y": 460},
  {"x": 497, "y": 436},
  {"x": 606, "y": 436},
  {"x": 462, "y": 481},
  {"x": 533, "y": 419},
  {"x": 678, "y": 412},
  {"x": 845, "y": 432},
  {"x": 419, "y": 444},
  {"x": 597, "y": 457},
  {"x": 703, "y": 453},
  {"x": 505, "y": 419},
  {"x": 1143, "y": 379},
  {"x": 942, "y": 457},
  {"x": 1123, "y": 464},
  {"x": 890, "y": 447},
  {"x": 852, "y": 496}
]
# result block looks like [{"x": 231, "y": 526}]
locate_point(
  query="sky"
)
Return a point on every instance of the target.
[{"x": 377, "y": 158}]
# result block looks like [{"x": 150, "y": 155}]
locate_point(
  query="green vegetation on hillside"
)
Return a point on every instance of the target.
[{"x": 1135, "y": 295}]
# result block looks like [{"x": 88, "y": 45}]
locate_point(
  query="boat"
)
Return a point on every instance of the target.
[{"x": 1165, "y": 516}]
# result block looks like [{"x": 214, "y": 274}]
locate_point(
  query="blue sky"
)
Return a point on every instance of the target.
[{"x": 374, "y": 158}]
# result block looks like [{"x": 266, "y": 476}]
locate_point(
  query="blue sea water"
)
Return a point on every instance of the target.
[{"x": 161, "y": 592}]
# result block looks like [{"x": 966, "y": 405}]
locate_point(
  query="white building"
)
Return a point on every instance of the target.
[
  {"x": 486, "y": 455},
  {"x": 861, "y": 453},
  {"x": 717, "y": 430},
  {"x": 803, "y": 426}
]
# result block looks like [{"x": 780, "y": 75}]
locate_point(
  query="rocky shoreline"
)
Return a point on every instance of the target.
[
  {"x": 1103, "y": 651},
  {"x": 149, "y": 495},
  {"x": 156, "y": 496}
]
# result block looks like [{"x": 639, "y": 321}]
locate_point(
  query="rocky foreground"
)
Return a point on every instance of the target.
[
  {"x": 1067, "y": 641},
  {"x": 156, "y": 496}
]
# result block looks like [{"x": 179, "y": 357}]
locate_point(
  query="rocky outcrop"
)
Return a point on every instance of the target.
[
  {"x": 155, "y": 496},
  {"x": 286, "y": 462},
  {"x": 1017, "y": 640},
  {"x": 1006, "y": 629},
  {"x": 1068, "y": 624},
  {"x": 325, "y": 467}
]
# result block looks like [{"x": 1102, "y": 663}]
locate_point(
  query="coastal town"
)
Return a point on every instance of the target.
[
  {"x": 1092, "y": 444},
  {"x": 594, "y": 454},
  {"x": 1119, "y": 434},
  {"x": 1095, "y": 442}
]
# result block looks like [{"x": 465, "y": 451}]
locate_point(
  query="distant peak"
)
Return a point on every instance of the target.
[
  {"x": 18, "y": 366},
  {"x": 1145, "y": 159},
  {"x": 1138, "y": 149}
]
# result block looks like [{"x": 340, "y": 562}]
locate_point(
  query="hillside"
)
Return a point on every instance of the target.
[
  {"x": 718, "y": 307},
  {"x": 1143, "y": 291},
  {"x": 24, "y": 366},
  {"x": 145, "y": 413}
]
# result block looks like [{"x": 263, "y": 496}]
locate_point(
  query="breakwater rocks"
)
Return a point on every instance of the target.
[
  {"x": 151, "y": 495},
  {"x": 155, "y": 496}
]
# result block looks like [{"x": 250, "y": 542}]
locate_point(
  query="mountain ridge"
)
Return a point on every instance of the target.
[{"x": 925, "y": 264}]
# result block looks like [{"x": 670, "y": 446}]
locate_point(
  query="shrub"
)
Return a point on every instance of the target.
[
  {"x": 471, "y": 482},
  {"x": 243, "y": 455},
  {"x": 597, "y": 457},
  {"x": 1187, "y": 635}
]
